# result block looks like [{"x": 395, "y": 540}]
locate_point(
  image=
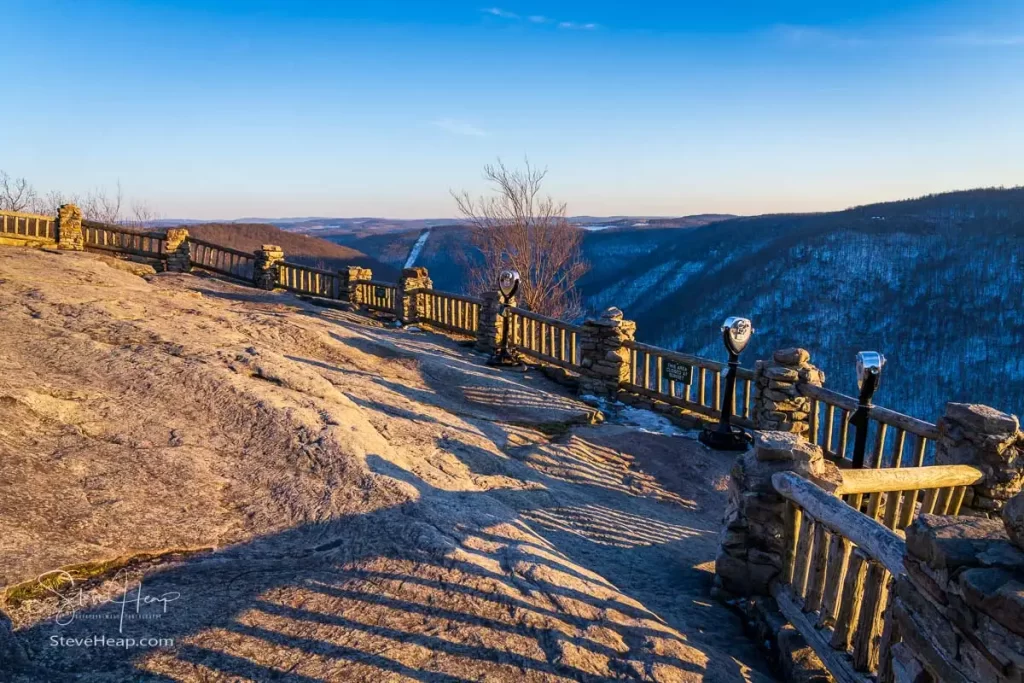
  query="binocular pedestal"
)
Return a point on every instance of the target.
[{"x": 724, "y": 436}]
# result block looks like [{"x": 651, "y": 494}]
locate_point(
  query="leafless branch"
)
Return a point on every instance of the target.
[{"x": 519, "y": 228}]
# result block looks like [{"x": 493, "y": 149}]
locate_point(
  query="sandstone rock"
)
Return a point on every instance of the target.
[
  {"x": 982, "y": 418},
  {"x": 998, "y": 594},
  {"x": 779, "y": 445},
  {"x": 951, "y": 542},
  {"x": 778, "y": 372},
  {"x": 1013, "y": 518},
  {"x": 792, "y": 357}
]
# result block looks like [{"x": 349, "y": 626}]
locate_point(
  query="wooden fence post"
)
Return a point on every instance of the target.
[{"x": 69, "y": 228}]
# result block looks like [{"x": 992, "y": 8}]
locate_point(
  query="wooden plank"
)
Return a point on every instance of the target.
[
  {"x": 881, "y": 544},
  {"x": 890, "y": 636},
  {"x": 819, "y": 563},
  {"x": 805, "y": 549},
  {"x": 849, "y": 604},
  {"x": 793, "y": 521},
  {"x": 877, "y": 413},
  {"x": 869, "y": 624},
  {"x": 837, "y": 664},
  {"x": 813, "y": 422},
  {"x": 907, "y": 478},
  {"x": 838, "y": 559}
]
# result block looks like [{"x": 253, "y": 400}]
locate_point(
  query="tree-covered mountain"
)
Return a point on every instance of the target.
[{"x": 935, "y": 283}]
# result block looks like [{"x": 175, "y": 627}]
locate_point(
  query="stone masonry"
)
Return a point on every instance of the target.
[
  {"x": 179, "y": 257},
  {"x": 266, "y": 273},
  {"x": 408, "y": 301},
  {"x": 349, "y": 277},
  {"x": 778, "y": 405},
  {"x": 69, "y": 228},
  {"x": 959, "y": 611},
  {"x": 971, "y": 434},
  {"x": 752, "y": 541},
  {"x": 490, "y": 330},
  {"x": 604, "y": 361}
]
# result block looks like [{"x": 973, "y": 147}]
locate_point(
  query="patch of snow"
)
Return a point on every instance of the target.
[{"x": 414, "y": 253}]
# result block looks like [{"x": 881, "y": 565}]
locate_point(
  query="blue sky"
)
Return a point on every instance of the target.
[{"x": 235, "y": 108}]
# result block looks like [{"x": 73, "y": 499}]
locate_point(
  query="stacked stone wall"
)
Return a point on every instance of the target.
[{"x": 778, "y": 405}]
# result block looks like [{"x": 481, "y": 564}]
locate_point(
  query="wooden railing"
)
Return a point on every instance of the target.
[
  {"x": 452, "y": 312},
  {"x": 652, "y": 370},
  {"x": 27, "y": 226},
  {"x": 376, "y": 294},
  {"x": 829, "y": 417},
  {"x": 893, "y": 495},
  {"x": 309, "y": 280},
  {"x": 834, "y": 586},
  {"x": 223, "y": 260},
  {"x": 548, "y": 339},
  {"x": 123, "y": 240}
]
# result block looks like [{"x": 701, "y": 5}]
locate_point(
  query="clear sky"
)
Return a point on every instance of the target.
[{"x": 230, "y": 108}]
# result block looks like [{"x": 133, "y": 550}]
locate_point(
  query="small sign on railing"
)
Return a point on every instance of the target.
[
  {"x": 380, "y": 292},
  {"x": 678, "y": 372}
]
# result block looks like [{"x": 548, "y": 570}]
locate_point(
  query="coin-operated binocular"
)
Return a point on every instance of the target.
[
  {"x": 869, "y": 375},
  {"x": 736, "y": 334},
  {"x": 508, "y": 286}
]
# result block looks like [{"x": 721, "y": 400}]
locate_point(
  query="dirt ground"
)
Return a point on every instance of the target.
[{"x": 256, "y": 488}]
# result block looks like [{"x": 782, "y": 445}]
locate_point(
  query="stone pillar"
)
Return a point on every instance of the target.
[
  {"x": 179, "y": 256},
  {"x": 408, "y": 299},
  {"x": 490, "y": 332},
  {"x": 778, "y": 406},
  {"x": 351, "y": 275},
  {"x": 752, "y": 542},
  {"x": 604, "y": 361},
  {"x": 971, "y": 434},
  {"x": 958, "y": 612},
  {"x": 266, "y": 274},
  {"x": 69, "y": 228}
]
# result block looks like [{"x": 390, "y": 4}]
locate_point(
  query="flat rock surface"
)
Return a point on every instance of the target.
[{"x": 299, "y": 494}]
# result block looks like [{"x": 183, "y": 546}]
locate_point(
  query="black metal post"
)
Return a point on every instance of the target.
[
  {"x": 859, "y": 419},
  {"x": 725, "y": 421}
]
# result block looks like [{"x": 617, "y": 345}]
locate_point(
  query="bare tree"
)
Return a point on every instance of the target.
[
  {"x": 519, "y": 228},
  {"x": 142, "y": 214},
  {"x": 53, "y": 200},
  {"x": 103, "y": 207},
  {"x": 16, "y": 194}
]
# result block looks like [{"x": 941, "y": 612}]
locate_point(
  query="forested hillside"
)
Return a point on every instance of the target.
[
  {"x": 310, "y": 251},
  {"x": 936, "y": 284}
]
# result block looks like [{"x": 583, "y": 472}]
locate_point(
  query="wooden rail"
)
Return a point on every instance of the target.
[
  {"x": 452, "y": 312},
  {"x": 703, "y": 394},
  {"x": 829, "y": 417},
  {"x": 377, "y": 295},
  {"x": 223, "y": 260},
  {"x": 895, "y": 496},
  {"x": 308, "y": 280},
  {"x": 28, "y": 226},
  {"x": 547, "y": 339},
  {"x": 123, "y": 240},
  {"x": 834, "y": 586}
]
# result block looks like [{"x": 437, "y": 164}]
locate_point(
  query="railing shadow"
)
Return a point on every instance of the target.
[{"x": 373, "y": 595}]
